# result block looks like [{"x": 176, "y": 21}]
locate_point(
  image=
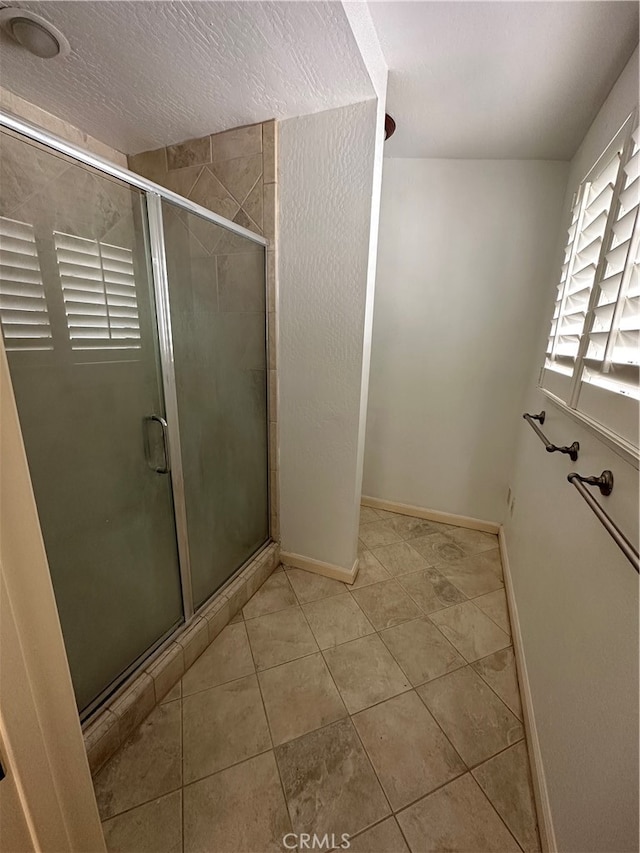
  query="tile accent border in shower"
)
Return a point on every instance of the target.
[
  {"x": 235, "y": 174},
  {"x": 135, "y": 701}
]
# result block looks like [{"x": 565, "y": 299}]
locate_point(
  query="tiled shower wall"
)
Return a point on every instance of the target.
[{"x": 234, "y": 174}]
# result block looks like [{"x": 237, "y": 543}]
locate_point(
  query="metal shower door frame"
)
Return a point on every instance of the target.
[{"x": 154, "y": 195}]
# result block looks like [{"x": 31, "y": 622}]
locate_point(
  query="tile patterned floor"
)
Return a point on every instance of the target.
[{"x": 388, "y": 710}]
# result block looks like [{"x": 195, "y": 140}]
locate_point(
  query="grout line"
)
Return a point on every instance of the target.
[
  {"x": 428, "y": 680},
  {"x": 488, "y": 799},
  {"x": 222, "y": 684},
  {"x": 228, "y": 767},
  {"x": 182, "y": 816},
  {"x": 495, "y": 622},
  {"x": 353, "y": 725},
  {"x": 268, "y": 613},
  {"x": 484, "y": 760},
  {"x": 266, "y": 715},
  {"x": 406, "y": 840},
  {"x": 182, "y": 764},
  {"x": 465, "y": 772},
  {"x": 372, "y": 826},
  {"x": 491, "y": 687},
  {"x": 143, "y": 803},
  {"x": 473, "y": 767}
]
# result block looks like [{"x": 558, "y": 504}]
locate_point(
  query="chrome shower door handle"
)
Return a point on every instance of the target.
[{"x": 166, "y": 467}]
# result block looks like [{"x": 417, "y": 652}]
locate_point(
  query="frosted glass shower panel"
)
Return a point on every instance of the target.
[{"x": 217, "y": 296}]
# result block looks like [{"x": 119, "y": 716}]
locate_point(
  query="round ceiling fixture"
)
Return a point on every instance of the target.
[{"x": 34, "y": 33}]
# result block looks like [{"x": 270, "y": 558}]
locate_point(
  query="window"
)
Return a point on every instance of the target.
[
  {"x": 24, "y": 313},
  {"x": 99, "y": 292},
  {"x": 592, "y": 357}
]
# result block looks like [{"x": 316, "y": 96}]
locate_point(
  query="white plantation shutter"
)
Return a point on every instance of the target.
[
  {"x": 23, "y": 305},
  {"x": 559, "y": 346},
  {"x": 582, "y": 253},
  {"x": 99, "y": 292},
  {"x": 612, "y": 355},
  {"x": 593, "y": 353}
]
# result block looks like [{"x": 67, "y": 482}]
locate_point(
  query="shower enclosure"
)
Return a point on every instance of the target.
[{"x": 134, "y": 323}]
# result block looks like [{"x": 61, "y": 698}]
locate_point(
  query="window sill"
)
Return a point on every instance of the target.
[{"x": 623, "y": 448}]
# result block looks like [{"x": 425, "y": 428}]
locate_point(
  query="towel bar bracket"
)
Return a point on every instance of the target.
[
  {"x": 572, "y": 450},
  {"x": 604, "y": 482}
]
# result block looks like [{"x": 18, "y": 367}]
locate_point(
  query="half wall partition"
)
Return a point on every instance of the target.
[{"x": 135, "y": 329}]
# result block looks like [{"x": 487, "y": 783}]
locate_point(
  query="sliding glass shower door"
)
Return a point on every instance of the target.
[
  {"x": 79, "y": 326},
  {"x": 135, "y": 330},
  {"x": 217, "y": 297}
]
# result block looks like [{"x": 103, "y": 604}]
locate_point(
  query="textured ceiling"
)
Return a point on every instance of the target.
[
  {"x": 147, "y": 74},
  {"x": 500, "y": 79}
]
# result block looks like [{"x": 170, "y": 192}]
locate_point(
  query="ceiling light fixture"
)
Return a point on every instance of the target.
[
  {"x": 389, "y": 126},
  {"x": 34, "y": 33}
]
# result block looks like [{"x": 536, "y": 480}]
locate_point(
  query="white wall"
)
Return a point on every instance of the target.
[
  {"x": 366, "y": 37},
  {"x": 326, "y": 167},
  {"x": 577, "y": 596},
  {"x": 465, "y": 248}
]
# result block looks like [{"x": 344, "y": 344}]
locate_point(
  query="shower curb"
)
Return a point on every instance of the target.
[{"x": 145, "y": 689}]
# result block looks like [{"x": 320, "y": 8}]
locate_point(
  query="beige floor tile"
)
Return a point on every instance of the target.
[
  {"x": 499, "y": 671},
  {"x": 384, "y": 513},
  {"x": 370, "y": 570},
  {"x": 472, "y": 633},
  {"x": 173, "y": 694},
  {"x": 280, "y": 637},
  {"x": 386, "y": 604},
  {"x": 384, "y": 837},
  {"x": 506, "y": 780},
  {"x": 227, "y": 658},
  {"x": 378, "y": 533},
  {"x": 146, "y": 767},
  {"x": 336, "y": 620},
  {"x": 237, "y": 618},
  {"x": 154, "y": 827},
  {"x": 367, "y": 515},
  {"x": 494, "y": 604},
  {"x": 329, "y": 783},
  {"x": 365, "y": 672},
  {"x": 431, "y": 591},
  {"x": 408, "y": 527},
  {"x": 437, "y": 548},
  {"x": 476, "y": 575},
  {"x": 241, "y": 809},
  {"x": 458, "y": 817},
  {"x": 309, "y": 586},
  {"x": 421, "y": 650},
  {"x": 474, "y": 719},
  {"x": 274, "y": 594},
  {"x": 300, "y": 696},
  {"x": 473, "y": 541},
  {"x": 223, "y": 726},
  {"x": 399, "y": 558},
  {"x": 407, "y": 748}
]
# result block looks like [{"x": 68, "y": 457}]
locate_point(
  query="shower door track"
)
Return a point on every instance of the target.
[
  {"x": 123, "y": 681},
  {"x": 154, "y": 194}
]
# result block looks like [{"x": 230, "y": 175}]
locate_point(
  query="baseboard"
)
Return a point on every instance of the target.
[
  {"x": 327, "y": 570},
  {"x": 541, "y": 794},
  {"x": 432, "y": 515}
]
